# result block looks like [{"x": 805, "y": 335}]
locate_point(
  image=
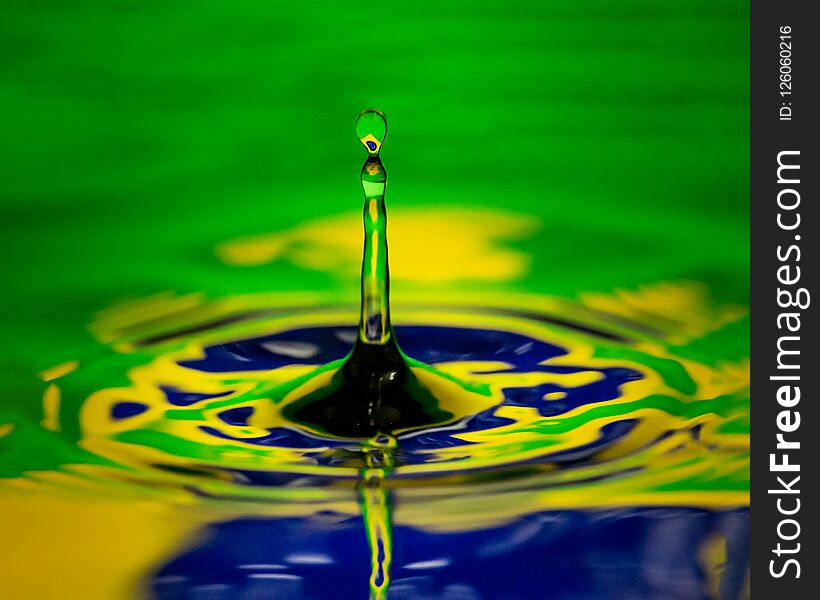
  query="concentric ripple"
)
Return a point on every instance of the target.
[{"x": 561, "y": 390}]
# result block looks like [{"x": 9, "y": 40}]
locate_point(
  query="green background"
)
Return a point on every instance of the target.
[{"x": 137, "y": 135}]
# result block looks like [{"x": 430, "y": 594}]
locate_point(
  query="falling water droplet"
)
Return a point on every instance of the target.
[{"x": 371, "y": 127}]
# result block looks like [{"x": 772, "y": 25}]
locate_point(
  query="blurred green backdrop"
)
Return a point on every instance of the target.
[{"x": 139, "y": 135}]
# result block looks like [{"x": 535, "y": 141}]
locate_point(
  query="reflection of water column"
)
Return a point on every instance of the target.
[
  {"x": 374, "y": 324},
  {"x": 376, "y": 512}
]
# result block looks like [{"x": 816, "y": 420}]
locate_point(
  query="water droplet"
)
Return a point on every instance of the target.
[{"x": 371, "y": 128}]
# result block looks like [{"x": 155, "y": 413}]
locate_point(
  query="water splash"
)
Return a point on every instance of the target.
[{"x": 374, "y": 390}]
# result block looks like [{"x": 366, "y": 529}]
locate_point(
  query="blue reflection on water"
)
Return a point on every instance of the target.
[{"x": 625, "y": 554}]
